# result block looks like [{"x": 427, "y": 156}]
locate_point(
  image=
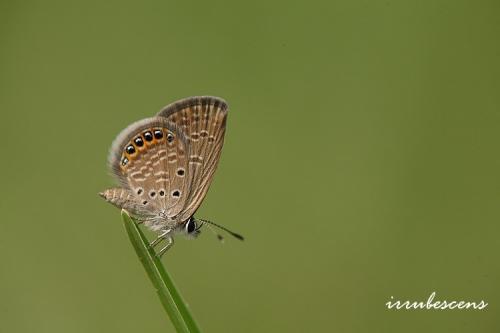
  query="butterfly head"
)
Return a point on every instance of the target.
[{"x": 191, "y": 228}]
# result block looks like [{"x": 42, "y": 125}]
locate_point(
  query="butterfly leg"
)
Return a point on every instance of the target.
[
  {"x": 160, "y": 238},
  {"x": 170, "y": 241},
  {"x": 139, "y": 221}
]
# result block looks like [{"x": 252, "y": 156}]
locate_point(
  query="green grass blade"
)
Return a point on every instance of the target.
[{"x": 170, "y": 298}]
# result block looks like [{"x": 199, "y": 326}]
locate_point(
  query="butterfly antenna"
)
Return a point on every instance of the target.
[
  {"x": 219, "y": 236},
  {"x": 235, "y": 235}
]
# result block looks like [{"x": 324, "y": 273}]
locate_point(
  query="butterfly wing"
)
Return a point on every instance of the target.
[
  {"x": 203, "y": 122},
  {"x": 150, "y": 160},
  {"x": 125, "y": 199}
]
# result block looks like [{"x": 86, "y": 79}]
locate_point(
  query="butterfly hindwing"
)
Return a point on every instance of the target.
[
  {"x": 150, "y": 159},
  {"x": 124, "y": 198}
]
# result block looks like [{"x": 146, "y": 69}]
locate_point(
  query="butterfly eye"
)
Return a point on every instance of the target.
[{"x": 190, "y": 226}]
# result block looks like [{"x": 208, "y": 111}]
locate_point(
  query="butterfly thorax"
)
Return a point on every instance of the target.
[
  {"x": 165, "y": 224},
  {"x": 161, "y": 221}
]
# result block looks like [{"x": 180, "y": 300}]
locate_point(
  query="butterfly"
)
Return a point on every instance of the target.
[{"x": 165, "y": 164}]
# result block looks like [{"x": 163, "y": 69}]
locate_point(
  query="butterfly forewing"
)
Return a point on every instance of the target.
[
  {"x": 150, "y": 159},
  {"x": 203, "y": 123}
]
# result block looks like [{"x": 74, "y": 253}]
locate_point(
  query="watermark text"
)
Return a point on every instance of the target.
[{"x": 432, "y": 304}]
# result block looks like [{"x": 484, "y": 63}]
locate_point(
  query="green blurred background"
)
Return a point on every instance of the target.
[{"x": 361, "y": 162}]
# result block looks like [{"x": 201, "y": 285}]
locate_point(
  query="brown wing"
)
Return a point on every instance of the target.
[
  {"x": 150, "y": 159},
  {"x": 125, "y": 199},
  {"x": 203, "y": 121}
]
